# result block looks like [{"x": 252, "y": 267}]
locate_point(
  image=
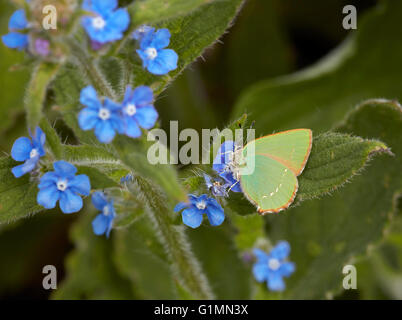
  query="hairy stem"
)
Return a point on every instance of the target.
[
  {"x": 185, "y": 265},
  {"x": 91, "y": 69}
]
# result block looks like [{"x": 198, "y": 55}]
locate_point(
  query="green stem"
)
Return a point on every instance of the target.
[
  {"x": 95, "y": 76},
  {"x": 36, "y": 92},
  {"x": 185, "y": 265}
]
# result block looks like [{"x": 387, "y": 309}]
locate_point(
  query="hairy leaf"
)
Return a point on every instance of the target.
[
  {"x": 326, "y": 235},
  {"x": 17, "y": 196}
]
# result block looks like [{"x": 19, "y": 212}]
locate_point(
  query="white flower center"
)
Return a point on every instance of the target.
[
  {"x": 62, "y": 185},
  {"x": 106, "y": 210},
  {"x": 201, "y": 205},
  {"x": 98, "y": 23},
  {"x": 274, "y": 264},
  {"x": 131, "y": 109},
  {"x": 33, "y": 153},
  {"x": 104, "y": 114},
  {"x": 151, "y": 53}
]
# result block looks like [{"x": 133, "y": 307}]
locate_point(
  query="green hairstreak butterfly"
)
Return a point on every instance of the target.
[{"x": 267, "y": 168}]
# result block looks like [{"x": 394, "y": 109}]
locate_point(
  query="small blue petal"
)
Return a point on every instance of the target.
[
  {"x": 70, "y": 202},
  {"x": 88, "y": 118},
  {"x": 260, "y": 272},
  {"x": 48, "y": 179},
  {"x": 47, "y": 197},
  {"x": 104, "y": 131},
  {"x": 286, "y": 269},
  {"x": 165, "y": 62},
  {"x": 21, "y": 149},
  {"x": 280, "y": 251},
  {"x": 261, "y": 256},
  {"x": 215, "y": 215},
  {"x": 18, "y": 20},
  {"x": 131, "y": 127},
  {"x": 89, "y": 98},
  {"x": 142, "y": 31},
  {"x": 22, "y": 169},
  {"x": 142, "y": 96},
  {"x": 119, "y": 21},
  {"x": 80, "y": 184},
  {"x": 161, "y": 39},
  {"x": 64, "y": 169},
  {"x": 15, "y": 40},
  {"x": 39, "y": 140},
  {"x": 146, "y": 117},
  {"x": 275, "y": 282},
  {"x": 99, "y": 200},
  {"x": 102, "y": 6},
  {"x": 192, "y": 217},
  {"x": 100, "y": 224},
  {"x": 180, "y": 206}
]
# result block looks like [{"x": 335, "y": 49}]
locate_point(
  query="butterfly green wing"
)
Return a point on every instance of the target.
[
  {"x": 271, "y": 187},
  {"x": 291, "y": 148}
]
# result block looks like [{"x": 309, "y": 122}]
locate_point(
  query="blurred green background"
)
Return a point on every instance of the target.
[{"x": 270, "y": 38}]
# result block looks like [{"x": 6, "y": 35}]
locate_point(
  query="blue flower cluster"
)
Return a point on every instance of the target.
[
  {"x": 108, "y": 117},
  {"x": 62, "y": 185},
  {"x": 194, "y": 211},
  {"x": 223, "y": 165},
  {"x": 272, "y": 267}
]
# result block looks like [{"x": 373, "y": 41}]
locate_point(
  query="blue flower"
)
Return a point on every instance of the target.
[
  {"x": 103, "y": 222},
  {"x": 103, "y": 117},
  {"x": 218, "y": 188},
  {"x": 224, "y": 164},
  {"x": 62, "y": 184},
  {"x": 272, "y": 267},
  {"x": 29, "y": 151},
  {"x": 142, "y": 31},
  {"x": 194, "y": 210},
  {"x": 154, "y": 57},
  {"x": 17, "y": 40},
  {"x": 138, "y": 110},
  {"x": 107, "y": 24}
]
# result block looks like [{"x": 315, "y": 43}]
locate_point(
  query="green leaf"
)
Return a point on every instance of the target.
[
  {"x": 17, "y": 196},
  {"x": 154, "y": 11},
  {"x": 36, "y": 91},
  {"x": 335, "y": 158},
  {"x": 91, "y": 271},
  {"x": 321, "y": 95},
  {"x": 151, "y": 11},
  {"x": 326, "y": 235},
  {"x": 190, "y": 36},
  {"x": 52, "y": 139}
]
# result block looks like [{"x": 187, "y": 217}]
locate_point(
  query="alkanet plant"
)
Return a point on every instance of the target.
[{"x": 102, "y": 72}]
